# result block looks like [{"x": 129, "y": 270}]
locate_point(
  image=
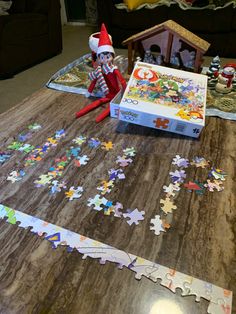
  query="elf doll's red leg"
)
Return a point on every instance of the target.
[
  {"x": 92, "y": 106},
  {"x": 103, "y": 115}
]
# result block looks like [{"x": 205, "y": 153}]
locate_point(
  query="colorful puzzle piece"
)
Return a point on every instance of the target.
[
  {"x": 15, "y": 176},
  {"x": 97, "y": 202},
  {"x": 79, "y": 140},
  {"x": 14, "y": 145},
  {"x": 94, "y": 142},
  {"x": 34, "y": 126},
  {"x": 83, "y": 160},
  {"x": 106, "y": 187},
  {"x": 116, "y": 173},
  {"x": 218, "y": 174},
  {"x": 200, "y": 162},
  {"x": 215, "y": 185},
  {"x": 129, "y": 151},
  {"x": 74, "y": 193},
  {"x": 43, "y": 180},
  {"x": 4, "y": 156}
]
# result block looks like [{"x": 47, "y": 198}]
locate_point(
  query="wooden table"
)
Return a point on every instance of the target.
[{"x": 201, "y": 241}]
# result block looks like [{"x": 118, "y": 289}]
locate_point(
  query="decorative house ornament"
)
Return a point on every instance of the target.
[{"x": 168, "y": 41}]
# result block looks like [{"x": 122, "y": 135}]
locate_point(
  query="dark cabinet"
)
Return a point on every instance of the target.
[{"x": 75, "y": 10}]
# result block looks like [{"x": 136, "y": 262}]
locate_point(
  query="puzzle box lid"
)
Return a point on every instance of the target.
[{"x": 168, "y": 92}]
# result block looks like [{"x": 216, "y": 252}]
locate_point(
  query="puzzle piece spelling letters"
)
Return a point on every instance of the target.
[
  {"x": 135, "y": 216},
  {"x": 220, "y": 300}
]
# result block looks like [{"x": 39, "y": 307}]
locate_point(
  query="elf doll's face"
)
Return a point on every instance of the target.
[{"x": 105, "y": 58}]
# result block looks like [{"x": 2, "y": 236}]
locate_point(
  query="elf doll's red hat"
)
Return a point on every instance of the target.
[{"x": 104, "y": 44}]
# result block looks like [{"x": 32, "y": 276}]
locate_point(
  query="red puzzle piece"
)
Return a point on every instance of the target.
[{"x": 161, "y": 123}]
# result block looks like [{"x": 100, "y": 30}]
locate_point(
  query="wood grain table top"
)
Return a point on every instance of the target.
[{"x": 200, "y": 242}]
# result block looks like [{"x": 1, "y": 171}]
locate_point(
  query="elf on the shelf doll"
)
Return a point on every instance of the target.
[{"x": 106, "y": 75}]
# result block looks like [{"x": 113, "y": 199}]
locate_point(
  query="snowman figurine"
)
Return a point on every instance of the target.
[{"x": 225, "y": 79}]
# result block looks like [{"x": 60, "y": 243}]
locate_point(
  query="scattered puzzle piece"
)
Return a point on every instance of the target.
[
  {"x": 4, "y": 156},
  {"x": 135, "y": 216},
  {"x": 94, "y": 142},
  {"x": 159, "y": 225},
  {"x": 24, "y": 137},
  {"x": 180, "y": 162},
  {"x": 116, "y": 173},
  {"x": 106, "y": 186},
  {"x": 178, "y": 176},
  {"x": 15, "y": 176},
  {"x": 117, "y": 212},
  {"x": 97, "y": 201},
  {"x": 129, "y": 151},
  {"x": 168, "y": 205},
  {"x": 57, "y": 186},
  {"x": 200, "y": 162},
  {"x": 26, "y": 148},
  {"x": 43, "y": 180},
  {"x": 74, "y": 193},
  {"x": 171, "y": 189},
  {"x": 107, "y": 145},
  {"x": 14, "y": 145},
  {"x": 215, "y": 185},
  {"x": 34, "y": 126},
  {"x": 218, "y": 174},
  {"x": 79, "y": 140},
  {"x": 60, "y": 133},
  {"x": 83, "y": 160},
  {"x": 74, "y": 151},
  {"x": 123, "y": 161}
]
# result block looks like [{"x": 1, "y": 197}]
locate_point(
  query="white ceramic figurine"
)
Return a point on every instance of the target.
[{"x": 225, "y": 79}]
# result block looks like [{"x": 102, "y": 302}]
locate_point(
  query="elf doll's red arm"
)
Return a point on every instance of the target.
[
  {"x": 92, "y": 85},
  {"x": 120, "y": 78}
]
